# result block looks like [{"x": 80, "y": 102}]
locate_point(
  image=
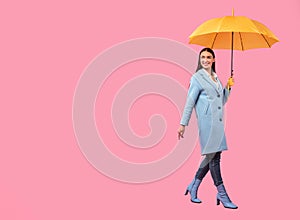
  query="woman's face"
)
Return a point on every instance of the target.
[{"x": 206, "y": 59}]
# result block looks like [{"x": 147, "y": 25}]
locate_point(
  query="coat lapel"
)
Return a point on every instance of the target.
[{"x": 207, "y": 79}]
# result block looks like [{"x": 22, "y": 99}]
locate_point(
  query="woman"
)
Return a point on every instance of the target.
[{"x": 207, "y": 95}]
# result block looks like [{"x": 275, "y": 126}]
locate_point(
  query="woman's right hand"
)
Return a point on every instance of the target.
[{"x": 180, "y": 131}]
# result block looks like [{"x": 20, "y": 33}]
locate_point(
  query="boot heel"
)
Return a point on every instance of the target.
[
  {"x": 186, "y": 192},
  {"x": 218, "y": 201}
]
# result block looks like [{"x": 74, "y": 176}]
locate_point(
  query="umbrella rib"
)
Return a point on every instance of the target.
[
  {"x": 265, "y": 40},
  {"x": 241, "y": 39},
  {"x": 212, "y": 46}
]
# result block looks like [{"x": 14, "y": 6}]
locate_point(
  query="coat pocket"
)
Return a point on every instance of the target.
[{"x": 206, "y": 109}]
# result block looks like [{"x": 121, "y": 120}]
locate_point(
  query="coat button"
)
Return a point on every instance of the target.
[
  {"x": 219, "y": 107},
  {"x": 220, "y": 119},
  {"x": 219, "y": 96}
]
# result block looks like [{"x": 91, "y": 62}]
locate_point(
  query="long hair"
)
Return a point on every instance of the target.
[{"x": 199, "y": 62}]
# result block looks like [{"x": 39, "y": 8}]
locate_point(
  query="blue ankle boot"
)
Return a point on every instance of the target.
[
  {"x": 224, "y": 198},
  {"x": 193, "y": 189}
]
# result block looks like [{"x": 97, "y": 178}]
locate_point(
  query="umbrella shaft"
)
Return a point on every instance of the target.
[{"x": 231, "y": 74}]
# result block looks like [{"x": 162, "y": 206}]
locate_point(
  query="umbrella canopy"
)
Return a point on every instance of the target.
[{"x": 233, "y": 32}]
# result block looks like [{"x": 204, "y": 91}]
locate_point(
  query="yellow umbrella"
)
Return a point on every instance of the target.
[{"x": 233, "y": 32}]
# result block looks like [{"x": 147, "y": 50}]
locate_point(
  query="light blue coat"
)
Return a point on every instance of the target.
[{"x": 208, "y": 99}]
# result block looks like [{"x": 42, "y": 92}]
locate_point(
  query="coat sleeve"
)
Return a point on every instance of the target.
[
  {"x": 226, "y": 93},
  {"x": 192, "y": 97}
]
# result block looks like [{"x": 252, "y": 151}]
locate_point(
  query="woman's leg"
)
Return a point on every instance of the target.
[
  {"x": 194, "y": 185},
  {"x": 203, "y": 169},
  {"x": 214, "y": 167}
]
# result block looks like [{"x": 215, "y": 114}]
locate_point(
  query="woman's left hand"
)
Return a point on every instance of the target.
[{"x": 230, "y": 82}]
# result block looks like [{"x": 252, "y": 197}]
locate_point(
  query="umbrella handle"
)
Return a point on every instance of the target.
[{"x": 230, "y": 83}]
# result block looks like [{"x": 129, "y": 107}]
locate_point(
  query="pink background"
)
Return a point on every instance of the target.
[{"x": 44, "y": 50}]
